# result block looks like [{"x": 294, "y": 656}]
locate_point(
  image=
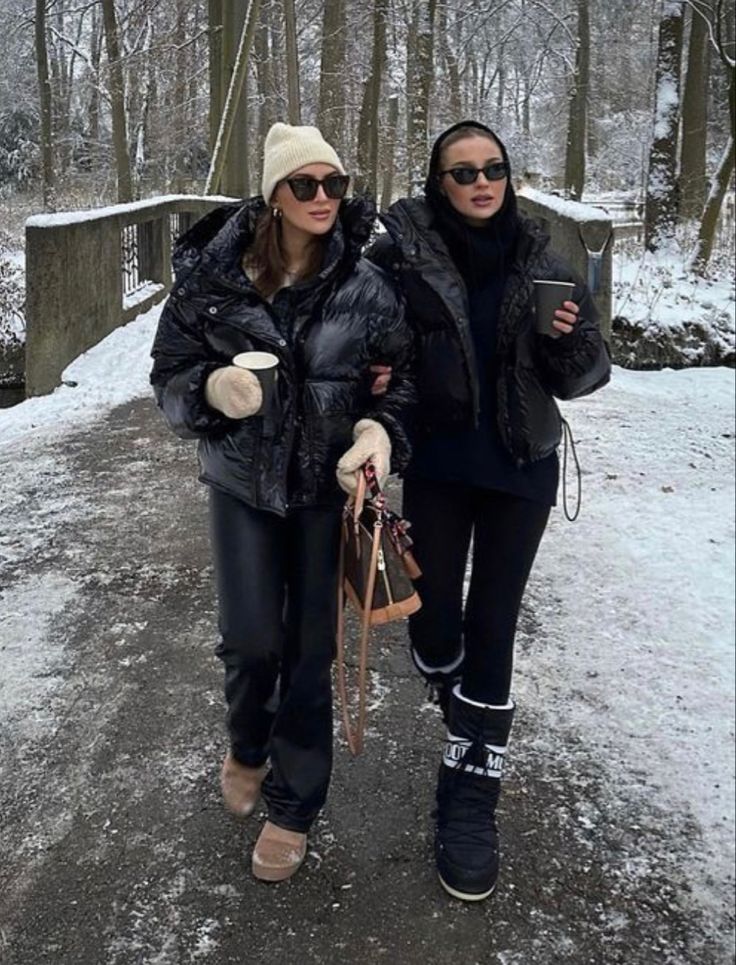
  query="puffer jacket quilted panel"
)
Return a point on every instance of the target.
[{"x": 339, "y": 323}]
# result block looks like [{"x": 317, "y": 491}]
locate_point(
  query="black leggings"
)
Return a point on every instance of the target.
[
  {"x": 277, "y": 592},
  {"x": 506, "y": 531}
]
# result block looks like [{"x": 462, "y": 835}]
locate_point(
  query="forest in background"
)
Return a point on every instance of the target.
[{"x": 110, "y": 100}]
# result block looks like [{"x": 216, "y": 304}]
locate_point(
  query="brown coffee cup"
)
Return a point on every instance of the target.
[{"x": 548, "y": 297}]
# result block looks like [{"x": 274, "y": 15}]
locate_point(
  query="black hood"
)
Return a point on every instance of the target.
[
  {"x": 432, "y": 184},
  {"x": 500, "y": 232}
]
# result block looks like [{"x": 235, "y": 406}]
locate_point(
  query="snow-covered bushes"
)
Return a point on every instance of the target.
[
  {"x": 12, "y": 321},
  {"x": 19, "y": 154},
  {"x": 666, "y": 316}
]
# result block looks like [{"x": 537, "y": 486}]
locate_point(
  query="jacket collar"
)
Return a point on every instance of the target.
[{"x": 217, "y": 242}]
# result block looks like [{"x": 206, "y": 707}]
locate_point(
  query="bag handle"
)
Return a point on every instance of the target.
[{"x": 355, "y": 735}]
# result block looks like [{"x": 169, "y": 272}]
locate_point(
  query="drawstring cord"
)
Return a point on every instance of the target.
[{"x": 568, "y": 440}]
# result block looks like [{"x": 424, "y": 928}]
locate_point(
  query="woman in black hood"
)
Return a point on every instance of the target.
[{"x": 485, "y": 461}]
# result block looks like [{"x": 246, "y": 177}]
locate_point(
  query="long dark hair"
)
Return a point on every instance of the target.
[{"x": 264, "y": 261}]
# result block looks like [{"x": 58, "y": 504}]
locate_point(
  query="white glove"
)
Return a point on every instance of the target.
[
  {"x": 372, "y": 444},
  {"x": 235, "y": 392}
]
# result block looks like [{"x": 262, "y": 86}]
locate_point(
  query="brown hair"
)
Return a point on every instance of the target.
[
  {"x": 463, "y": 132},
  {"x": 264, "y": 260}
]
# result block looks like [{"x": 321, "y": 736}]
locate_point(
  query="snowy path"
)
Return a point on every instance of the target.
[{"x": 618, "y": 812}]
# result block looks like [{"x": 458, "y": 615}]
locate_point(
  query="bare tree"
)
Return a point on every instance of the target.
[
  {"x": 388, "y": 151},
  {"x": 692, "y": 184},
  {"x": 720, "y": 22},
  {"x": 661, "y": 198},
  {"x": 578, "y": 112},
  {"x": 117, "y": 102},
  {"x": 222, "y": 158},
  {"x": 44, "y": 95},
  {"x": 331, "y": 110},
  {"x": 292, "y": 63},
  {"x": 367, "y": 165},
  {"x": 217, "y": 94},
  {"x": 420, "y": 51}
]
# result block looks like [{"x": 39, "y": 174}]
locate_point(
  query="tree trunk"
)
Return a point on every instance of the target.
[
  {"x": 217, "y": 96},
  {"x": 452, "y": 64},
  {"x": 388, "y": 146},
  {"x": 709, "y": 223},
  {"x": 292, "y": 63},
  {"x": 93, "y": 111},
  {"x": 694, "y": 127},
  {"x": 578, "y": 121},
  {"x": 278, "y": 58},
  {"x": 223, "y": 160},
  {"x": 264, "y": 62},
  {"x": 44, "y": 96},
  {"x": 660, "y": 215},
  {"x": 367, "y": 165},
  {"x": 419, "y": 76},
  {"x": 181, "y": 91},
  {"x": 331, "y": 110},
  {"x": 117, "y": 103},
  {"x": 235, "y": 179}
]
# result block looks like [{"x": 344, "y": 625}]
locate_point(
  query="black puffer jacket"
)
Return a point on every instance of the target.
[
  {"x": 529, "y": 369},
  {"x": 336, "y": 325}
]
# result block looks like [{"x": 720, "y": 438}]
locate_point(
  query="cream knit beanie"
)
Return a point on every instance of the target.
[{"x": 289, "y": 148}]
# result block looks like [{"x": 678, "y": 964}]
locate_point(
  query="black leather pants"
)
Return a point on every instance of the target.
[{"x": 277, "y": 586}]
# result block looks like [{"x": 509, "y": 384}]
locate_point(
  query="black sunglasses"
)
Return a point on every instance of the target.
[
  {"x": 495, "y": 171},
  {"x": 305, "y": 188}
]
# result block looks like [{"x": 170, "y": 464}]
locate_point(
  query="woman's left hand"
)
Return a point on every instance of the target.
[
  {"x": 565, "y": 319},
  {"x": 382, "y": 378}
]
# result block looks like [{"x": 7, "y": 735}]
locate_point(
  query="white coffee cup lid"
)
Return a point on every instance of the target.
[{"x": 255, "y": 360}]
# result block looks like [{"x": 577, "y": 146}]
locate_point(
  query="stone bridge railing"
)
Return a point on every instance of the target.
[{"x": 87, "y": 272}]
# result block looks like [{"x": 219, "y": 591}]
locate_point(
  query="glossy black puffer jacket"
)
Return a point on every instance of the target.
[
  {"x": 528, "y": 369},
  {"x": 332, "y": 328}
]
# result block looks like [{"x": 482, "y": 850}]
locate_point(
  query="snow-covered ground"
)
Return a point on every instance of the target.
[{"x": 634, "y": 602}]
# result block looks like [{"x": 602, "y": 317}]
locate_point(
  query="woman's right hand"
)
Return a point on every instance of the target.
[{"x": 233, "y": 391}]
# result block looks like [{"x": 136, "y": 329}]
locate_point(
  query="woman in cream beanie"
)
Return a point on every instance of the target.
[{"x": 282, "y": 274}]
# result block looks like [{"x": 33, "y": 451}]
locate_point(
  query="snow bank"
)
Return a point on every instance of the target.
[{"x": 112, "y": 372}]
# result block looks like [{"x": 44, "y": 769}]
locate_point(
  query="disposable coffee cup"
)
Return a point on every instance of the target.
[
  {"x": 264, "y": 366},
  {"x": 548, "y": 297}
]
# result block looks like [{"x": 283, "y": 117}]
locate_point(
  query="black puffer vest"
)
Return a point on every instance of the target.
[{"x": 339, "y": 323}]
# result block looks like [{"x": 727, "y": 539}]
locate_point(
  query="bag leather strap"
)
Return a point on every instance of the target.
[{"x": 355, "y": 734}]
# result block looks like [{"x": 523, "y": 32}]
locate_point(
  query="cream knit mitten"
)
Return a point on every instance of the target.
[
  {"x": 372, "y": 444},
  {"x": 233, "y": 391}
]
